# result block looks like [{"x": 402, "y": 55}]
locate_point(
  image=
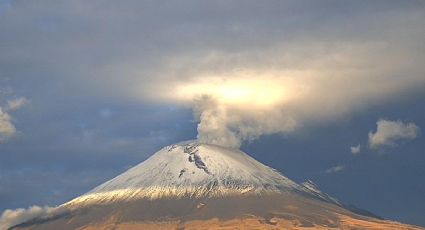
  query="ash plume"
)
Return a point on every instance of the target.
[{"x": 230, "y": 126}]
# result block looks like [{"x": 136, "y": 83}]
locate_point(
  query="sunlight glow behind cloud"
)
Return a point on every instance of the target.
[
  {"x": 264, "y": 76},
  {"x": 243, "y": 105},
  {"x": 252, "y": 91}
]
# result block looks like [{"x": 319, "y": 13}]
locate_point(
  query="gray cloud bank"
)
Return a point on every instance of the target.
[
  {"x": 388, "y": 133},
  {"x": 329, "y": 58}
]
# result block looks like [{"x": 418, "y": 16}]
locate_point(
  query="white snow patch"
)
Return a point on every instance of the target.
[{"x": 314, "y": 189}]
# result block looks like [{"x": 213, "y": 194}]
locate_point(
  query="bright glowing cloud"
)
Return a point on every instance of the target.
[
  {"x": 241, "y": 106},
  {"x": 293, "y": 85},
  {"x": 388, "y": 133},
  {"x": 243, "y": 89}
]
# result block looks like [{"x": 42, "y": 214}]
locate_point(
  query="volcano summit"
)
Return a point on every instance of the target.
[{"x": 200, "y": 186}]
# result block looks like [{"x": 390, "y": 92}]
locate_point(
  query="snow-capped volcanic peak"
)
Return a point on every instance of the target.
[
  {"x": 200, "y": 186},
  {"x": 194, "y": 170}
]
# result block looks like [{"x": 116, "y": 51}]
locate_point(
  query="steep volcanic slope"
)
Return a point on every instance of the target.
[
  {"x": 198, "y": 186},
  {"x": 191, "y": 170}
]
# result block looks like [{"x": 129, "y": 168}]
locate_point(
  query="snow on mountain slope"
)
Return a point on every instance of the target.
[
  {"x": 314, "y": 189},
  {"x": 195, "y": 183},
  {"x": 193, "y": 170}
]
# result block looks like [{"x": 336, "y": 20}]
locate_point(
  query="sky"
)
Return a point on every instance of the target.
[{"x": 331, "y": 91}]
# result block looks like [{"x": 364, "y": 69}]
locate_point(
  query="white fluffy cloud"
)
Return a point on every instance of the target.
[
  {"x": 11, "y": 218},
  {"x": 355, "y": 149},
  {"x": 389, "y": 132},
  {"x": 7, "y": 129}
]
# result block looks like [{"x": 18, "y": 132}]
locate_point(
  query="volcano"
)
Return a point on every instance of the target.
[{"x": 200, "y": 186}]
